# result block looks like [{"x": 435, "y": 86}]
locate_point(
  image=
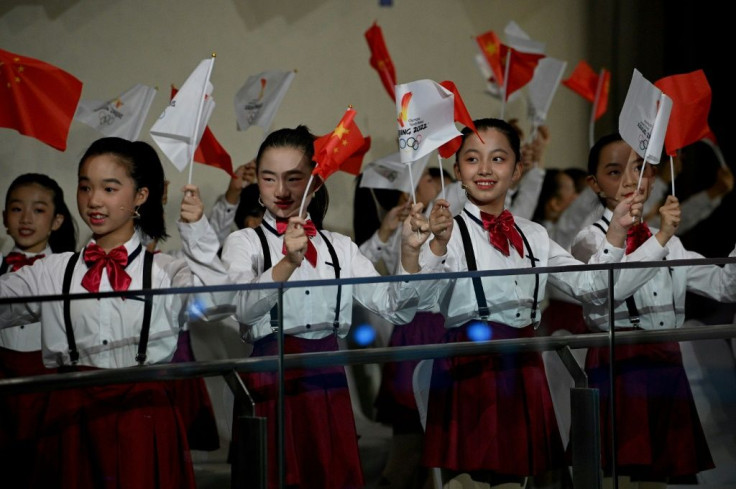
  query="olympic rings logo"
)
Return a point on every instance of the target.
[{"x": 410, "y": 142}]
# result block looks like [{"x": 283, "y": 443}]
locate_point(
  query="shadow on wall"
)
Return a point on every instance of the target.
[
  {"x": 255, "y": 13},
  {"x": 53, "y": 10}
]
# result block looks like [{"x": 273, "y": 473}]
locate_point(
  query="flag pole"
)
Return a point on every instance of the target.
[
  {"x": 672, "y": 175},
  {"x": 195, "y": 143},
  {"x": 505, "y": 83},
  {"x": 717, "y": 150},
  {"x": 596, "y": 101},
  {"x": 411, "y": 184},
  {"x": 306, "y": 192},
  {"x": 442, "y": 175}
]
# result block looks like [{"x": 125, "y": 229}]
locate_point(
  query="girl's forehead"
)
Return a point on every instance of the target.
[
  {"x": 283, "y": 159},
  {"x": 103, "y": 164},
  {"x": 492, "y": 139},
  {"x": 32, "y": 190}
]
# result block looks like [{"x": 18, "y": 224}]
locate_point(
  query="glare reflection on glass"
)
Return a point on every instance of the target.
[
  {"x": 364, "y": 334},
  {"x": 479, "y": 331}
]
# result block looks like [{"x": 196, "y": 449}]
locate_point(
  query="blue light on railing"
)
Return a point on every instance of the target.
[
  {"x": 196, "y": 308},
  {"x": 364, "y": 334},
  {"x": 479, "y": 331}
]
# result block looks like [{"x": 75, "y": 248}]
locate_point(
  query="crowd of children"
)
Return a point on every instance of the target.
[{"x": 491, "y": 418}]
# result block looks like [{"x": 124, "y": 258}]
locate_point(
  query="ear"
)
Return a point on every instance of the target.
[
  {"x": 141, "y": 196},
  {"x": 456, "y": 170},
  {"x": 593, "y": 183},
  {"x": 58, "y": 221},
  {"x": 516, "y": 176}
]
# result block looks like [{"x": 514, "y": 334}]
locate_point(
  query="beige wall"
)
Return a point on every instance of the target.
[{"x": 111, "y": 45}]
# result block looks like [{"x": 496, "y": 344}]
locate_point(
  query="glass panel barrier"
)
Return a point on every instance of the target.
[{"x": 275, "y": 385}]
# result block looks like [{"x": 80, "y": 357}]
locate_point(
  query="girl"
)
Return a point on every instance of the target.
[
  {"x": 39, "y": 222},
  {"x": 321, "y": 449},
  {"x": 121, "y": 436},
  {"x": 659, "y": 435},
  {"x": 490, "y": 417}
]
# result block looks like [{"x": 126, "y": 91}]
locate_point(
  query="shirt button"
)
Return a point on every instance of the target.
[
  {"x": 516, "y": 283},
  {"x": 22, "y": 326},
  {"x": 518, "y": 314},
  {"x": 605, "y": 251},
  {"x": 306, "y": 292},
  {"x": 661, "y": 323},
  {"x": 655, "y": 294},
  {"x": 104, "y": 342},
  {"x": 309, "y": 326},
  {"x": 443, "y": 261}
]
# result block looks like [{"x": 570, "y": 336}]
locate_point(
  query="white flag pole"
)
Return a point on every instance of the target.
[
  {"x": 505, "y": 83},
  {"x": 195, "y": 143},
  {"x": 306, "y": 192},
  {"x": 411, "y": 182},
  {"x": 672, "y": 175},
  {"x": 717, "y": 150},
  {"x": 596, "y": 101},
  {"x": 442, "y": 175}
]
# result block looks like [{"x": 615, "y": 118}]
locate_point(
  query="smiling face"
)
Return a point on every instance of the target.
[
  {"x": 487, "y": 169},
  {"x": 283, "y": 174},
  {"x": 617, "y": 175},
  {"x": 30, "y": 217},
  {"x": 107, "y": 199}
]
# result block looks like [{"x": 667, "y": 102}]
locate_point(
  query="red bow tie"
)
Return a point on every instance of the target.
[
  {"x": 636, "y": 236},
  {"x": 501, "y": 230},
  {"x": 17, "y": 260},
  {"x": 114, "y": 262},
  {"x": 310, "y": 230}
]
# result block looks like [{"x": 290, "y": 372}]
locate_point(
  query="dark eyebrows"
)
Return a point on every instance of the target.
[{"x": 82, "y": 178}]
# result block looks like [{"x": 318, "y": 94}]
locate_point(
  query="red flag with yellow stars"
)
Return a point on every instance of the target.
[
  {"x": 691, "y": 97},
  {"x": 490, "y": 46},
  {"x": 37, "y": 99},
  {"x": 584, "y": 82},
  {"x": 462, "y": 116},
  {"x": 381, "y": 60},
  {"x": 340, "y": 149},
  {"x": 210, "y": 152}
]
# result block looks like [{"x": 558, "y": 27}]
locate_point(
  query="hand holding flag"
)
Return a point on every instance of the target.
[{"x": 37, "y": 99}]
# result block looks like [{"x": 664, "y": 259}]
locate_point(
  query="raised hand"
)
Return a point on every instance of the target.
[
  {"x": 192, "y": 207},
  {"x": 627, "y": 213},
  {"x": 392, "y": 220},
  {"x": 670, "y": 218},
  {"x": 441, "y": 224},
  {"x": 295, "y": 241}
]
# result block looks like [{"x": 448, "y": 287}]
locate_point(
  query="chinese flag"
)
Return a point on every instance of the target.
[
  {"x": 462, "y": 116},
  {"x": 490, "y": 46},
  {"x": 210, "y": 152},
  {"x": 584, "y": 82},
  {"x": 334, "y": 150},
  {"x": 691, "y": 96},
  {"x": 521, "y": 68},
  {"x": 37, "y": 99},
  {"x": 381, "y": 60}
]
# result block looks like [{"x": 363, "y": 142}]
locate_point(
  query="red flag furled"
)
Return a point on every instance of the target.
[
  {"x": 381, "y": 60},
  {"x": 490, "y": 46},
  {"x": 334, "y": 150},
  {"x": 462, "y": 116},
  {"x": 691, "y": 97},
  {"x": 584, "y": 81},
  {"x": 210, "y": 152},
  {"x": 521, "y": 68},
  {"x": 37, "y": 99}
]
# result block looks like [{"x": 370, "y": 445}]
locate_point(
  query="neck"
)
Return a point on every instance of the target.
[
  {"x": 33, "y": 250},
  {"x": 493, "y": 208},
  {"x": 113, "y": 239}
]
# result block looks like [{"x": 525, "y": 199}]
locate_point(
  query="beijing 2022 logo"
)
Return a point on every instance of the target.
[{"x": 410, "y": 137}]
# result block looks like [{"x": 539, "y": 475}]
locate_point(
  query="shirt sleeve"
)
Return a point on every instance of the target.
[{"x": 222, "y": 217}]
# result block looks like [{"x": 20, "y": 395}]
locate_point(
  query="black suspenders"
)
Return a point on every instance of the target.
[
  {"x": 480, "y": 295},
  {"x": 3, "y": 267},
  {"x": 147, "y": 308},
  {"x": 267, "y": 264},
  {"x": 634, "y": 317}
]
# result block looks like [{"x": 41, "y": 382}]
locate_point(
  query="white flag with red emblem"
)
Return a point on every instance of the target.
[
  {"x": 122, "y": 116},
  {"x": 258, "y": 100}
]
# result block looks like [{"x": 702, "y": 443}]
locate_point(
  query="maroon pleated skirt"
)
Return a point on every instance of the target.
[
  {"x": 492, "y": 412},
  {"x": 395, "y": 403},
  {"x": 658, "y": 431},
  {"x": 561, "y": 315},
  {"x": 321, "y": 444},
  {"x": 20, "y": 417},
  {"x": 126, "y": 436},
  {"x": 193, "y": 401}
]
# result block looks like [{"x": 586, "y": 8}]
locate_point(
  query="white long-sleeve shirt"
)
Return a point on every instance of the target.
[
  {"x": 107, "y": 331},
  {"x": 307, "y": 311},
  {"x": 660, "y": 300},
  {"x": 510, "y": 298},
  {"x": 26, "y": 337}
]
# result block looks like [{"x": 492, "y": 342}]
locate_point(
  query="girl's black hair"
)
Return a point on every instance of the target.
[
  {"x": 550, "y": 186},
  {"x": 299, "y": 138},
  {"x": 248, "y": 205},
  {"x": 64, "y": 238},
  {"x": 500, "y": 125},
  {"x": 595, "y": 152},
  {"x": 144, "y": 167}
]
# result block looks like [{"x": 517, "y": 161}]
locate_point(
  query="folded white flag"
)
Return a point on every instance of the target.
[
  {"x": 174, "y": 131},
  {"x": 390, "y": 173},
  {"x": 426, "y": 112},
  {"x": 259, "y": 98},
  {"x": 122, "y": 116},
  {"x": 644, "y": 118}
]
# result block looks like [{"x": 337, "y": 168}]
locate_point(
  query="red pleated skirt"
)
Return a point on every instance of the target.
[
  {"x": 20, "y": 417},
  {"x": 395, "y": 403},
  {"x": 492, "y": 412},
  {"x": 561, "y": 315},
  {"x": 193, "y": 401},
  {"x": 126, "y": 436},
  {"x": 658, "y": 431},
  {"x": 321, "y": 444}
]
